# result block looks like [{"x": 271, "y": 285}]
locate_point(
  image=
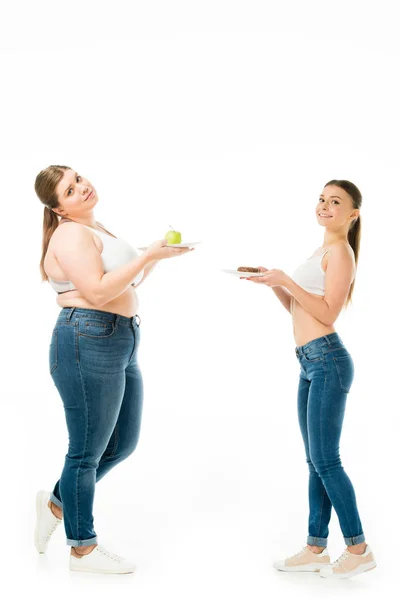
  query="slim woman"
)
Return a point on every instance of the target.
[
  {"x": 93, "y": 357},
  {"x": 315, "y": 296}
]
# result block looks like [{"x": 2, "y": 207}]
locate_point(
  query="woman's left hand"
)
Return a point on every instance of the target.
[{"x": 271, "y": 278}]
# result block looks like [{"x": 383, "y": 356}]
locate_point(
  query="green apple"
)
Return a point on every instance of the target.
[{"x": 173, "y": 237}]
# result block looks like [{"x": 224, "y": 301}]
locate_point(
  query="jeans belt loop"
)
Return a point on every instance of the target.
[{"x": 69, "y": 315}]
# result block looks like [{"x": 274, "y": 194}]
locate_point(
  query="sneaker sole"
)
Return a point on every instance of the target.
[
  {"x": 40, "y": 496},
  {"x": 310, "y": 568},
  {"x": 105, "y": 571},
  {"x": 361, "y": 569}
]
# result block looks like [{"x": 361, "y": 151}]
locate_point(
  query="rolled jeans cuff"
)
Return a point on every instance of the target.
[
  {"x": 352, "y": 541},
  {"x": 55, "y": 500},
  {"x": 82, "y": 542},
  {"x": 316, "y": 541}
]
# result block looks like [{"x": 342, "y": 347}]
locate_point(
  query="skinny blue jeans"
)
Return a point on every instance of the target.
[
  {"x": 326, "y": 375},
  {"x": 93, "y": 363}
]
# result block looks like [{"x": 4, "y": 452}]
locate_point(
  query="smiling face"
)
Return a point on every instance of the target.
[
  {"x": 335, "y": 208},
  {"x": 76, "y": 195}
]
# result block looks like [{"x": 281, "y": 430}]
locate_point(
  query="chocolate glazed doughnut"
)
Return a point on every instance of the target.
[{"x": 249, "y": 270}]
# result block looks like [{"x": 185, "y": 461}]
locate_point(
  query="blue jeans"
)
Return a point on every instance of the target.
[
  {"x": 93, "y": 363},
  {"x": 326, "y": 375}
]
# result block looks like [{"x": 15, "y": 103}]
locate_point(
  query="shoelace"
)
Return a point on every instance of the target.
[
  {"x": 297, "y": 553},
  {"x": 56, "y": 524},
  {"x": 114, "y": 557},
  {"x": 341, "y": 558}
]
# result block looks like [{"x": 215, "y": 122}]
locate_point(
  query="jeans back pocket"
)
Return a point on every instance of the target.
[{"x": 345, "y": 371}]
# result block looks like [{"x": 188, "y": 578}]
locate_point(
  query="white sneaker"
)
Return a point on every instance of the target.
[
  {"x": 101, "y": 560},
  {"x": 305, "y": 560},
  {"x": 348, "y": 565},
  {"x": 46, "y": 522}
]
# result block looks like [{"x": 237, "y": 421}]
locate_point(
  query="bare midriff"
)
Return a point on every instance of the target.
[
  {"x": 305, "y": 326},
  {"x": 126, "y": 304}
]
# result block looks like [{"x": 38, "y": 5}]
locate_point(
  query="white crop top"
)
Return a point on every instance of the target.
[
  {"x": 115, "y": 253},
  {"x": 310, "y": 275}
]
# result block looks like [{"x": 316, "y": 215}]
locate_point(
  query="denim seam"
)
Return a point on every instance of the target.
[
  {"x": 114, "y": 450},
  {"x": 344, "y": 504},
  {"x": 76, "y": 341},
  {"x": 134, "y": 346},
  {"x": 320, "y": 426},
  {"x": 346, "y": 517},
  {"x": 55, "y": 346},
  {"x": 320, "y": 512},
  {"x": 320, "y": 419},
  {"x": 84, "y": 452}
]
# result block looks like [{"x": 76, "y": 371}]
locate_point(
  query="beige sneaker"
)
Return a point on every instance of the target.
[
  {"x": 305, "y": 560},
  {"x": 348, "y": 565}
]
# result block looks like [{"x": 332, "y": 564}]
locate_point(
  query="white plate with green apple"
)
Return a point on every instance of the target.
[{"x": 174, "y": 238}]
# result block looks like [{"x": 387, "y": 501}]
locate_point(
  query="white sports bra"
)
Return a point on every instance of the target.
[
  {"x": 311, "y": 276},
  {"x": 115, "y": 253}
]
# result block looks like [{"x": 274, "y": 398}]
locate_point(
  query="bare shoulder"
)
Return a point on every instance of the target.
[
  {"x": 341, "y": 248},
  {"x": 66, "y": 230},
  {"x": 68, "y": 233},
  {"x": 342, "y": 254},
  {"x": 342, "y": 251}
]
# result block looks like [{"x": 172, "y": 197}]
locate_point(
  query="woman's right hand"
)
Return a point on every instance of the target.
[
  {"x": 261, "y": 270},
  {"x": 159, "y": 250}
]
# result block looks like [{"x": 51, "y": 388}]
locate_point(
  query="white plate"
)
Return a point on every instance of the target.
[
  {"x": 181, "y": 245},
  {"x": 241, "y": 273}
]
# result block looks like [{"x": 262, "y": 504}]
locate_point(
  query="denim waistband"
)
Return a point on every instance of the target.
[
  {"x": 321, "y": 343},
  {"x": 73, "y": 313}
]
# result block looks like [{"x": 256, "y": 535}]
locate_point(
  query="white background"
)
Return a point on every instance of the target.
[{"x": 224, "y": 120}]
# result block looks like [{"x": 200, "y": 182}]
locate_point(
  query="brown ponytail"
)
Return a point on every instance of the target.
[
  {"x": 45, "y": 187},
  {"x": 50, "y": 224},
  {"x": 354, "y": 237},
  {"x": 354, "y": 233}
]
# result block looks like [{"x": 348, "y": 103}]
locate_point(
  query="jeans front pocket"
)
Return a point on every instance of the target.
[
  {"x": 345, "y": 371},
  {"x": 312, "y": 357},
  {"x": 53, "y": 351},
  {"x": 99, "y": 328}
]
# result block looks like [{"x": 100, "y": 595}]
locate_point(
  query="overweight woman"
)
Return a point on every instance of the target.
[{"x": 92, "y": 358}]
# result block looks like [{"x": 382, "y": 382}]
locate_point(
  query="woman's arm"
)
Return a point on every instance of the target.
[
  {"x": 147, "y": 271},
  {"x": 81, "y": 261},
  {"x": 338, "y": 278},
  {"x": 284, "y": 296}
]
